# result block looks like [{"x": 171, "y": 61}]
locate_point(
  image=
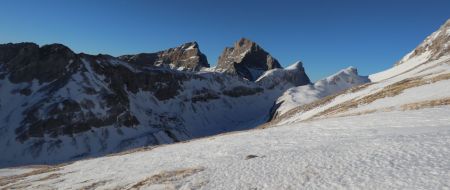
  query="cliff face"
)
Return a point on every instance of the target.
[
  {"x": 186, "y": 57},
  {"x": 246, "y": 59}
]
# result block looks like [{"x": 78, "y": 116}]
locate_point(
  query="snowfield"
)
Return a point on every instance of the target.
[{"x": 383, "y": 150}]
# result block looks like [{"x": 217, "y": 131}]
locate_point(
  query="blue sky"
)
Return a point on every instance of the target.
[{"x": 327, "y": 35}]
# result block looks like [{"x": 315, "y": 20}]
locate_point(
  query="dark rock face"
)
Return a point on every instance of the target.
[
  {"x": 26, "y": 61},
  {"x": 187, "y": 57},
  {"x": 246, "y": 59},
  {"x": 239, "y": 91}
]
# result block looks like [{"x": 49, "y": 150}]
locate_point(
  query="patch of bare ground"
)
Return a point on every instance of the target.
[
  {"x": 389, "y": 91},
  {"x": 405, "y": 107},
  {"x": 388, "y": 109},
  {"x": 95, "y": 185},
  {"x": 50, "y": 176},
  {"x": 426, "y": 104},
  {"x": 141, "y": 149},
  {"x": 167, "y": 177},
  {"x": 445, "y": 62},
  {"x": 312, "y": 105},
  {"x": 13, "y": 182}
]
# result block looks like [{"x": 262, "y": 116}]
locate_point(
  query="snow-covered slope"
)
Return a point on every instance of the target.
[
  {"x": 395, "y": 150},
  {"x": 420, "y": 80},
  {"x": 434, "y": 47},
  {"x": 301, "y": 95}
]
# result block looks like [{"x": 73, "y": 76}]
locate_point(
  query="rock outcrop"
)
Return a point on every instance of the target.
[
  {"x": 186, "y": 57},
  {"x": 246, "y": 59}
]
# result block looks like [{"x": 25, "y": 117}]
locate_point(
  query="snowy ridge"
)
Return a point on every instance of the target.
[
  {"x": 302, "y": 95},
  {"x": 294, "y": 74}
]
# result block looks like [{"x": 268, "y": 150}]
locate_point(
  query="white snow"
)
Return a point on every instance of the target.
[
  {"x": 191, "y": 47},
  {"x": 434, "y": 91},
  {"x": 335, "y": 83},
  {"x": 400, "y": 69},
  {"x": 5, "y": 172},
  {"x": 396, "y": 150},
  {"x": 430, "y": 68}
]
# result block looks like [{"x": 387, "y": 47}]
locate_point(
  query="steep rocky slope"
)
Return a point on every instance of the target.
[
  {"x": 246, "y": 59},
  {"x": 56, "y": 105}
]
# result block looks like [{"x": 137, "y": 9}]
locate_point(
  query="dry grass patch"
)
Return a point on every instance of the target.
[
  {"x": 405, "y": 107},
  {"x": 95, "y": 185},
  {"x": 389, "y": 91},
  {"x": 166, "y": 177},
  {"x": 11, "y": 181},
  {"x": 51, "y": 176},
  {"x": 426, "y": 104},
  {"x": 140, "y": 149},
  {"x": 312, "y": 105}
]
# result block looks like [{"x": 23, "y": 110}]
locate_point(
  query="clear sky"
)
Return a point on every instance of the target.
[{"x": 327, "y": 35}]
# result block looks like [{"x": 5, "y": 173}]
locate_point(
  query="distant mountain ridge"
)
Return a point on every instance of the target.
[{"x": 57, "y": 105}]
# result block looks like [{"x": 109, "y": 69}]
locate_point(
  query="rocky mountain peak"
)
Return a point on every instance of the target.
[
  {"x": 190, "y": 46},
  {"x": 246, "y": 59},
  {"x": 245, "y": 43},
  {"x": 186, "y": 57}
]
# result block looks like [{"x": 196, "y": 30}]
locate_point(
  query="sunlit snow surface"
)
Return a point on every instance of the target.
[{"x": 400, "y": 149}]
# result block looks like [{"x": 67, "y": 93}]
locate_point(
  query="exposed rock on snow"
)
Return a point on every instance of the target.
[{"x": 246, "y": 59}]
